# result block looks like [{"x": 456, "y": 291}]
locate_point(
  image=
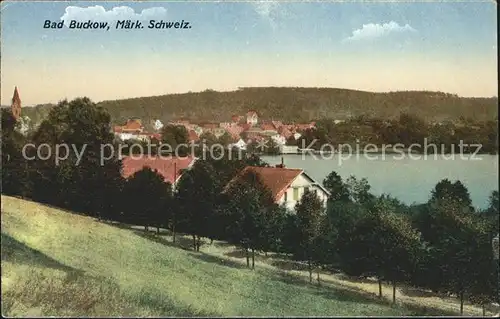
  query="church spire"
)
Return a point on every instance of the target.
[{"x": 16, "y": 105}]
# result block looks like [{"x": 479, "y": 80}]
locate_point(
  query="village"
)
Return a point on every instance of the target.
[
  {"x": 287, "y": 185},
  {"x": 241, "y": 131}
]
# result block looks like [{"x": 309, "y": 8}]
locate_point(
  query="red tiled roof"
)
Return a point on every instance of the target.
[
  {"x": 210, "y": 125},
  {"x": 303, "y": 126},
  {"x": 235, "y": 118},
  {"x": 284, "y": 132},
  {"x": 234, "y": 131},
  {"x": 165, "y": 165},
  {"x": 131, "y": 125},
  {"x": 277, "y": 180},
  {"x": 277, "y": 124},
  {"x": 268, "y": 127},
  {"x": 245, "y": 126}
]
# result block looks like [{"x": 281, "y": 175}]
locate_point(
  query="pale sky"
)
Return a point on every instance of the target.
[{"x": 437, "y": 46}]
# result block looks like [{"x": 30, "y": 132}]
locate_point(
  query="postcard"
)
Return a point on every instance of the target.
[{"x": 249, "y": 158}]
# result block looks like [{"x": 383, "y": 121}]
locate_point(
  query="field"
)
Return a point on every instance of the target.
[{"x": 55, "y": 263}]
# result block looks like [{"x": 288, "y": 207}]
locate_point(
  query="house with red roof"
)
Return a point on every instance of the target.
[
  {"x": 236, "y": 118},
  {"x": 252, "y": 117},
  {"x": 277, "y": 124},
  {"x": 305, "y": 126},
  {"x": 234, "y": 131},
  {"x": 268, "y": 129},
  {"x": 170, "y": 167},
  {"x": 285, "y": 132},
  {"x": 132, "y": 129},
  {"x": 245, "y": 127},
  {"x": 287, "y": 185}
]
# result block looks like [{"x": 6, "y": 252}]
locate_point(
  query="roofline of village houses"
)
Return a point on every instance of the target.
[{"x": 265, "y": 129}]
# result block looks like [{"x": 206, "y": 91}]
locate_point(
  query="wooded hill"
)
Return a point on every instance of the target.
[{"x": 295, "y": 104}]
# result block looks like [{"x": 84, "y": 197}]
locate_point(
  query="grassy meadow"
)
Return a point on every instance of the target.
[{"x": 56, "y": 263}]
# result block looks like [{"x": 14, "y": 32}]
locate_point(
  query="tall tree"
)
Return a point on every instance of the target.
[
  {"x": 337, "y": 188},
  {"x": 359, "y": 190},
  {"x": 89, "y": 168},
  {"x": 15, "y": 180},
  {"x": 309, "y": 212},
  {"x": 145, "y": 196},
  {"x": 249, "y": 207},
  {"x": 175, "y": 136},
  {"x": 197, "y": 198},
  {"x": 456, "y": 191}
]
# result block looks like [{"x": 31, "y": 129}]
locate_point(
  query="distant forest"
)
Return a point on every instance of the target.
[{"x": 295, "y": 105}]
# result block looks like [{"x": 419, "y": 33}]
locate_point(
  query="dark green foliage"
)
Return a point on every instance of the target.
[
  {"x": 84, "y": 184},
  {"x": 197, "y": 197},
  {"x": 359, "y": 191},
  {"x": 176, "y": 137},
  {"x": 225, "y": 139},
  {"x": 453, "y": 191},
  {"x": 379, "y": 243},
  {"x": 248, "y": 212},
  {"x": 15, "y": 180},
  {"x": 337, "y": 188},
  {"x": 145, "y": 198},
  {"x": 297, "y": 104},
  {"x": 310, "y": 214}
]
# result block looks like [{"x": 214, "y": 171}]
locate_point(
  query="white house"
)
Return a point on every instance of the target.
[
  {"x": 279, "y": 139},
  {"x": 24, "y": 125},
  {"x": 158, "y": 125},
  {"x": 252, "y": 118},
  {"x": 296, "y": 136},
  {"x": 287, "y": 185}
]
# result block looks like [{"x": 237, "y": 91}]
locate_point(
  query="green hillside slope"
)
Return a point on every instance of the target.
[{"x": 63, "y": 264}]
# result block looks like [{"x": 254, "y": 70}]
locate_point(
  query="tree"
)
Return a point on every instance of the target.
[
  {"x": 225, "y": 139},
  {"x": 341, "y": 220},
  {"x": 456, "y": 191},
  {"x": 197, "y": 198},
  {"x": 249, "y": 207},
  {"x": 309, "y": 212},
  {"x": 175, "y": 136},
  {"x": 338, "y": 190},
  {"x": 460, "y": 243},
  {"x": 359, "y": 190},
  {"x": 15, "y": 180},
  {"x": 399, "y": 245},
  {"x": 82, "y": 181},
  {"x": 270, "y": 224},
  {"x": 145, "y": 197},
  {"x": 208, "y": 138},
  {"x": 379, "y": 242}
]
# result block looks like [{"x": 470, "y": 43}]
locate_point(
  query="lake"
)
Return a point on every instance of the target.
[{"x": 408, "y": 179}]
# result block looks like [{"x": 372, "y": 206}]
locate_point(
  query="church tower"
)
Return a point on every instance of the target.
[{"x": 16, "y": 105}]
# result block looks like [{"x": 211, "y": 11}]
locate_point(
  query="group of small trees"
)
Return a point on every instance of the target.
[{"x": 443, "y": 245}]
